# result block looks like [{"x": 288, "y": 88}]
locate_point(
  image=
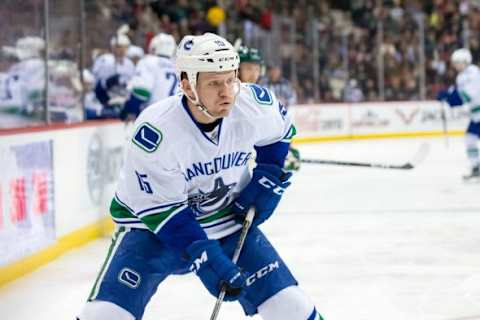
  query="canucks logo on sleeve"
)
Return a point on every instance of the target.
[
  {"x": 147, "y": 137},
  {"x": 261, "y": 95}
]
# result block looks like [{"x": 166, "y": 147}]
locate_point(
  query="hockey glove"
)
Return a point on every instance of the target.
[
  {"x": 292, "y": 162},
  {"x": 264, "y": 192},
  {"x": 451, "y": 96},
  {"x": 215, "y": 269}
]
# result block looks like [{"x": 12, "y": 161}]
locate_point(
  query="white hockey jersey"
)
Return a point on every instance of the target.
[
  {"x": 155, "y": 79},
  {"x": 468, "y": 87},
  {"x": 106, "y": 66},
  {"x": 171, "y": 164},
  {"x": 24, "y": 85}
]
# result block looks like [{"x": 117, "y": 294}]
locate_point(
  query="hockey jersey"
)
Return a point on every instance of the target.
[
  {"x": 154, "y": 79},
  {"x": 171, "y": 163},
  {"x": 468, "y": 87}
]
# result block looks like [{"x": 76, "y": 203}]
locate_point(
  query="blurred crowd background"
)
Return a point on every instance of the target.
[{"x": 330, "y": 50}]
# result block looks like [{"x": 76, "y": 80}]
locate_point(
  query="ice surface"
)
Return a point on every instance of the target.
[{"x": 368, "y": 244}]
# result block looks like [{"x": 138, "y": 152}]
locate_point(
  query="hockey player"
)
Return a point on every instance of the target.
[
  {"x": 112, "y": 73},
  {"x": 24, "y": 84},
  {"x": 250, "y": 64},
  {"x": 155, "y": 77},
  {"x": 250, "y": 71},
  {"x": 467, "y": 92},
  {"x": 186, "y": 186},
  {"x": 282, "y": 88}
]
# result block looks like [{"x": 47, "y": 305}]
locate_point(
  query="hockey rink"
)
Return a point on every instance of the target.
[{"x": 366, "y": 244}]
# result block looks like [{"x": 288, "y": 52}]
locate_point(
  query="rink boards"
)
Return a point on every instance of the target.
[{"x": 60, "y": 200}]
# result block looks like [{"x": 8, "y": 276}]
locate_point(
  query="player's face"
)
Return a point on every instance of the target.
[
  {"x": 459, "y": 67},
  {"x": 249, "y": 72},
  {"x": 217, "y": 91},
  {"x": 120, "y": 51}
]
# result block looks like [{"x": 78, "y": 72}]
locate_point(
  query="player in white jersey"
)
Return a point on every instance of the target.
[
  {"x": 155, "y": 77},
  {"x": 24, "y": 84},
  {"x": 250, "y": 71},
  {"x": 467, "y": 92},
  {"x": 112, "y": 73},
  {"x": 186, "y": 187}
]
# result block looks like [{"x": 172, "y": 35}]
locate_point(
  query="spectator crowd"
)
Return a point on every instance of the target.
[{"x": 331, "y": 51}]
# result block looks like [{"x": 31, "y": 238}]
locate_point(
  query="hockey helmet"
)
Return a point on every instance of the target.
[
  {"x": 162, "y": 44},
  {"x": 461, "y": 56},
  {"x": 120, "y": 40},
  {"x": 29, "y": 47},
  {"x": 249, "y": 55},
  {"x": 205, "y": 53}
]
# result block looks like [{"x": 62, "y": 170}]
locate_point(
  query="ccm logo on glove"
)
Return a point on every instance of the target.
[
  {"x": 197, "y": 263},
  {"x": 269, "y": 184}
]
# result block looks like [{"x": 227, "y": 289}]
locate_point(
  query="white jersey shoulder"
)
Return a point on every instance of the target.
[
  {"x": 106, "y": 66},
  {"x": 270, "y": 119},
  {"x": 155, "y": 77}
]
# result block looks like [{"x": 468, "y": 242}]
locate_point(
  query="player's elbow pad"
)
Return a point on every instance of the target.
[{"x": 181, "y": 231}]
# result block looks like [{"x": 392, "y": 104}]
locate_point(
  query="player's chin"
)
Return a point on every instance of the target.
[{"x": 224, "y": 109}]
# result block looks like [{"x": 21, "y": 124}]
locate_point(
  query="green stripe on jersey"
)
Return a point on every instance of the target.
[
  {"x": 153, "y": 220},
  {"x": 465, "y": 97},
  {"x": 119, "y": 211},
  {"x": 116, "y": 240},
  {"x": 220, "y": 214},
  {"x": 475, "y": 109},
  {"x": 141, "y": 93}
]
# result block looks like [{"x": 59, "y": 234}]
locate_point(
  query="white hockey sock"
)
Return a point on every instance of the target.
[
  {"x": 101, "y": 310},
  {"x": 472, "y": 149},
  {"x": 289, "y": 304}
]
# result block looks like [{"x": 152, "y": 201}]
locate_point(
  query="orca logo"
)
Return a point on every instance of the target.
[{"x": 129, "y": 278}]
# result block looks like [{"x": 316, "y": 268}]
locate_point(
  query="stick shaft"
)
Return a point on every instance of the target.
[
  {"x": 236, "y": 255},
  {"x": 405, "y": 166}
]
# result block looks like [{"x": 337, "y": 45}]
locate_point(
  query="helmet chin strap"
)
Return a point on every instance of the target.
[{"x": 200, "y": 106}]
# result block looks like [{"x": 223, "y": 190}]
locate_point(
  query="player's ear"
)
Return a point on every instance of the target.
[{"x": 186, "y": 87}]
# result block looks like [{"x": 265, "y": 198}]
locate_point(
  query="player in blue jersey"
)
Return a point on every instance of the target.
[
  {"x": 467, "y": 92},
  {"x": 185, "y": 189}
]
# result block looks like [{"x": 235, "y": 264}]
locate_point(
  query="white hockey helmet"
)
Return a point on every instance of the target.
[
  {"x": 461, "y": 56},
  {"x": 206, "y": 53},
  {"x": 162, "y": 44},
  {"x": 135, "y": 52},
  {"x": 119, "y": 40},
  {"x": 29, "y": 47}
]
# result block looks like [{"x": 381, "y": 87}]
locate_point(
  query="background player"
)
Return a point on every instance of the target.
[
  {"x": 112, "y": 73},
  {"x": 24, "y": 84},
  {"x": 155, "y": 77},
  {"x": 250, "y": 70},
  {"x": 185, "y": 186},
  {"x": 467, "y": 92},
  {"x": 251, "y": 63}
]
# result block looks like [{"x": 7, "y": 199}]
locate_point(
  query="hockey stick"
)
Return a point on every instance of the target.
[
  {"x": 417, "y": 158},
  {"x": 443, "y": 115},
  {"x": 236, "y": 254}
]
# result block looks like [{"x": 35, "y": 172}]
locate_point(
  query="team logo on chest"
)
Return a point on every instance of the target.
[{"x": 210, "y": 201}]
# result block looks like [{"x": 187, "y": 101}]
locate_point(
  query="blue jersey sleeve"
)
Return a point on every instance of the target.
[{"x": 274, "y": 153}]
